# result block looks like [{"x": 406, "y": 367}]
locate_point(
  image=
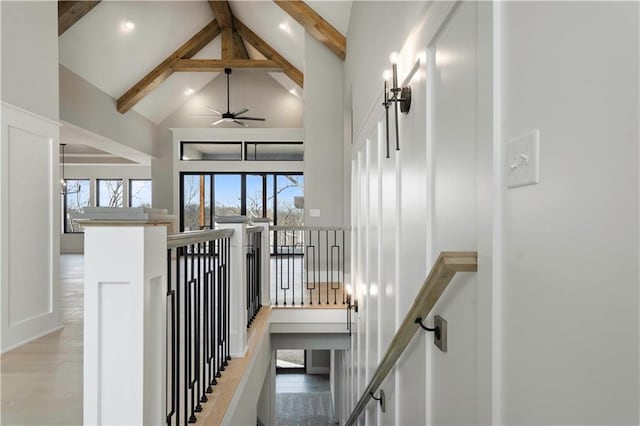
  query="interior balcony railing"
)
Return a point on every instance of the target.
[
  {"x": 445, "y": 267},
  {"x": 168, "y": 316},
  {"x": 198, "y": 318},
  {"x": 308, "y": 265}
]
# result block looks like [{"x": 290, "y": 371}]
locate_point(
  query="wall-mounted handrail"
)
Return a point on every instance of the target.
[{"x": 445, "y": 267}]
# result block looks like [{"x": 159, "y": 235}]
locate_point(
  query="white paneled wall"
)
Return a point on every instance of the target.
[
  {"x": 408, "y": 208},
  {"x": 30, "y": 226}
]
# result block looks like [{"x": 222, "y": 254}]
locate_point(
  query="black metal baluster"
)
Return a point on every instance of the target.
[
  {"x": 228, "y": 301},
  {"x": 170, "y": 341},
  {"x": 326, "y": 242},
  {"x": 187, "y": 338},
  {"x": 343, "y": 265},
  {"x": 176, "y": 385},
  {"x": 317, "y": 266}
]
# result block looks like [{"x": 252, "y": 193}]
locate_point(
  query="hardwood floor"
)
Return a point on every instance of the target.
[{"x": 41, "y": 382}]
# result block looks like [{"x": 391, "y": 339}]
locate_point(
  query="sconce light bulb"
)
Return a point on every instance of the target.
[
  {"x": 386, "y": 75},
  {"x": 393, "y": 58}
]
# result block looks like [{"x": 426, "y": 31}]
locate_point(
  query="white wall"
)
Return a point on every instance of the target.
[
  {"x": 569, "y": 295},
  {"x": 323, "y": 135},
  {"x": 29, "y": 50},
  {"x": 29, "y": 179},
  {"x": 74, "y": 242},
  {"x": 84, "y": 105}
]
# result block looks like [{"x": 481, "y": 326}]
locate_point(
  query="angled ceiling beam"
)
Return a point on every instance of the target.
[
  {"x": 269, "y": 52},
  {"x": 218, "y": 65},
  {"x": 232, "y": 45},
  {"x": 320, "y": 29},
  {"x": 70, "y": 12},
  {"x": 164, "y": 70}
]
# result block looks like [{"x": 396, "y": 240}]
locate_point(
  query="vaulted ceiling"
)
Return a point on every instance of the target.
[{"x": 150, "y": 68}]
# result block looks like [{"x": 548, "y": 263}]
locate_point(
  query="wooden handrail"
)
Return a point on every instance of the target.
[
  {"x": 194, "y": 237},
  {"x": 445, "y": 267}
]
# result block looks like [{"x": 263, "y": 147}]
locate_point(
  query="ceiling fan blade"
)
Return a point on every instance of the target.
[
  {"x": 214, "y": 110},
  {"x": 252, "y": 118},
  {"x": 242, "y": 111},
  {"x": 217, "y": 122},
  {"x": 240, "y": 123},
  {"x": 206, "y": 115}
]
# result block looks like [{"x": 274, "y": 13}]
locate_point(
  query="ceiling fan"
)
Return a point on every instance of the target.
[{"x": 231, "y": 117}]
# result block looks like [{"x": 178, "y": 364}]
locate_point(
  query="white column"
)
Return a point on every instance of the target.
[
  {"x": 238, "y": 283},
  {"x": 265, "y": 290},
  {"x": 124, "y": 324}
]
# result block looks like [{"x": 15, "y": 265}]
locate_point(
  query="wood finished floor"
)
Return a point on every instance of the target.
[{"x": 41, "y": 382}]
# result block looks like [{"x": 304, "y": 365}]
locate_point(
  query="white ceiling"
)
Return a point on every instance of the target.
[{"x": 97, "y": 49}]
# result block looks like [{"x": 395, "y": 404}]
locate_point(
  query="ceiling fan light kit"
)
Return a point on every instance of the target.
[{"x": 231, "y": 117}]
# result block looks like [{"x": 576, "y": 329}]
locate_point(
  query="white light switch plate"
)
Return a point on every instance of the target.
[
  {"x": 314, "y": 212},
  {"x": 523, "y": 160}
]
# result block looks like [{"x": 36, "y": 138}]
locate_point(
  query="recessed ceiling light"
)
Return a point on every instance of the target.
[
  {"x": 284, "y": 27},
  {"x": 128, "y": 26},
  {"x": 294, "y": 92},
  {"x": 189, "y": 91}
]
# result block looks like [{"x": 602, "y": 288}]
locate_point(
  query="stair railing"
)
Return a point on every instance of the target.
[{"x": 445, "y": 267}]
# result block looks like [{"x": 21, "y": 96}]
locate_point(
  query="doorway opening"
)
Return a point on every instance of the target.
[{"x": 291, "y": 361}]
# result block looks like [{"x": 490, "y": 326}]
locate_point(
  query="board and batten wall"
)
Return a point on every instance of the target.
[
  {"x": 29, "y": 177},
  {"x": 558, "y": 261}
]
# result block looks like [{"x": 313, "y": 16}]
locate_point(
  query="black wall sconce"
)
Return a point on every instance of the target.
[
  {"x": 350, "y": 306},
  {"x": 400, "y": 96}
]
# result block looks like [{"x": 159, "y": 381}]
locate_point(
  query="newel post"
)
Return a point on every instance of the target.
[
  {"x": 125, "y": 305},
  {"x": 265, "y": 261},
  {"x": 238, "y": 283}
]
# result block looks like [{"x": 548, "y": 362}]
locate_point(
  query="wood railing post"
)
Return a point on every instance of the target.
[
  {"x": 265, "y": 290},
  {"x": 238, "y": 283}
]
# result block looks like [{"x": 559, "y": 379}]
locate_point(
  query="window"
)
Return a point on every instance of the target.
[
  {"x": 196, "y": 202},
  {"x": 77, "y": 198},
  {"x": 271, "y": 195},
  {"x": 228, "y": 195},
  {"x": 139, "y": 193},
  {"x": 274, "y": 151},
  {"x": 110, "y": 193},
  {"x": 287, "y": 188},
  {"x": 211, "y": 151}
]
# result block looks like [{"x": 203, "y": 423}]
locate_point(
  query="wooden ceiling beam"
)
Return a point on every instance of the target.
[
  {"x": 269, "y": 52},
  {"x": 218, "y": 65},
  {"x": 320, "y": 29},
  {"x": 239, "y": 48},
  {"x": 70, "y": 12},
  {"x": 165, "y": 69},
  {"x": 222, "y": 13},
  {"x": 232, "y": 46}
]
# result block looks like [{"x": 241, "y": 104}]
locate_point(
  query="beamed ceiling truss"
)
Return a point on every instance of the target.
[{"x": 234, "y": 52}]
